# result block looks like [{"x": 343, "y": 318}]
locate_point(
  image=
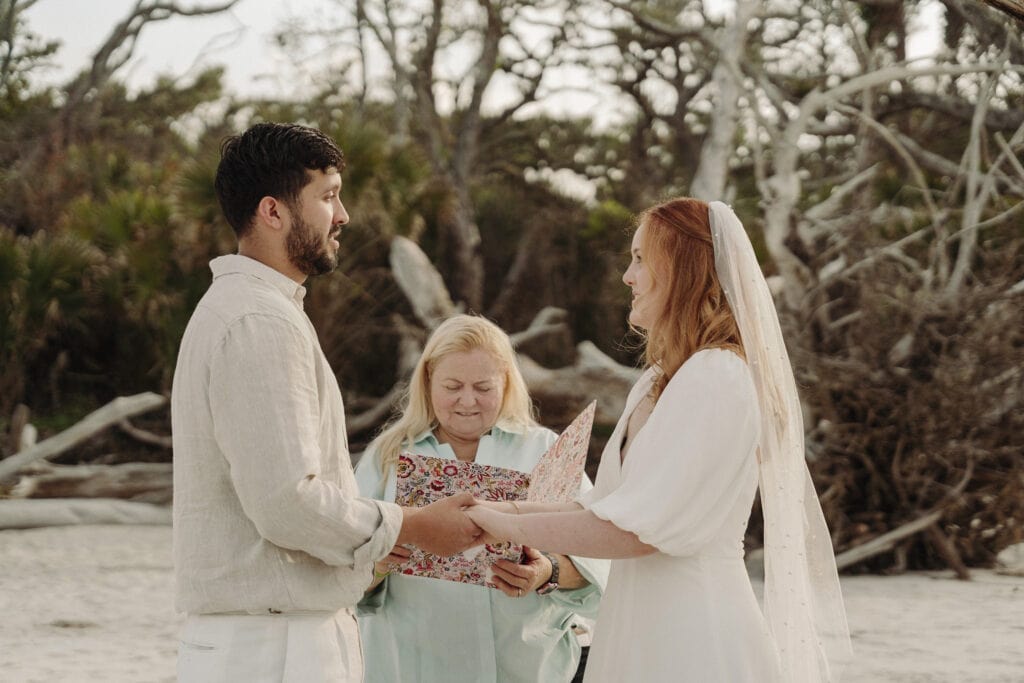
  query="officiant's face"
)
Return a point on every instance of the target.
[
  {"x": 646, "y": 303},
  {"x": 466, "y": 391}
]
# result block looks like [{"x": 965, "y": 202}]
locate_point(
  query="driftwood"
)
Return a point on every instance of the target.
[
  {"x": 887, "y": 541},
  {"x": 550, "y": 320},
  {"x": 1014, "y": 8},
  {"x": 948, "y": 551},
  {"x": 119, "y": 409},
  {"x": 563, "y": 392},
  {"x": 19, "y": 422},
  {"x": 375, "y": 415},
  {"x": 143, "y": 435},
  {"x": 548, "y": 339},
  {"x": 137, "y": 481},
  {"x": 420, "y": 282},
  {"x": 409, "y": 350},
  {"x": 29, "y": 514}
]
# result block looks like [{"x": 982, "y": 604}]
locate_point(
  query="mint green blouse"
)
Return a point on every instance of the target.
[{"x": 434, "y": 631}]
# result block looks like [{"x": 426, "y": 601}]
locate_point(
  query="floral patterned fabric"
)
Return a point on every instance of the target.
[
  {"x": 421, "y": 480},
  {"x": 556, "y": 478}
]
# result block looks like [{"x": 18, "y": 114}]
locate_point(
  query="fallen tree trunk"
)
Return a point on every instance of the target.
[
  {"x": 119, "y": 409},
  {"x": 136, "y": 481},
  {"x": 144, "y": 436},
  {"x": 887, "y": 541},
  {"x": 419, "y": 280},
  {"x": 563, "y": 392},
  {"x": 29, "y": 514},
  {"x": 1014, "y": 8}
]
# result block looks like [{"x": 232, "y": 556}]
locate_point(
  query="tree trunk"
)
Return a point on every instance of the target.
[
  {"x": 30, "y": 514},
  {"x": 713, "y": 168},
  {"x": 136, "y": 481},
  {"x": 119, "y": 409}
]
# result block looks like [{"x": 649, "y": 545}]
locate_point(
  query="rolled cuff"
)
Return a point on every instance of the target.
[{"x": 383, "y": 539}]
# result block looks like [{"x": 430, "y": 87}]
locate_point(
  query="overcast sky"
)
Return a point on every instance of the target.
[{"x": 237, "y": 39}]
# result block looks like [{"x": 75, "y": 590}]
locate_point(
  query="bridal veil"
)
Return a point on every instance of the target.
[{"x": 802, "y": 600}]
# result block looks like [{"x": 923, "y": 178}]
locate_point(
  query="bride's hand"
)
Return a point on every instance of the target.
[
  {"x": 496, "y": 505},
  {"x": 495, "y": 524}
]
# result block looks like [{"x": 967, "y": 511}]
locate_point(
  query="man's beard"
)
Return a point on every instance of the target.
[{"x": 307, "y": 251}]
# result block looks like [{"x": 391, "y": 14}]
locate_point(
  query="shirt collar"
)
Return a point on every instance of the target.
[
  {"x": 496, "y": 431},
  {"x": 236, "y": 263}
]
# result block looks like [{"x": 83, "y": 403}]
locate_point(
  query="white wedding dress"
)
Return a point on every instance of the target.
[{"x": 687, "y": 612}]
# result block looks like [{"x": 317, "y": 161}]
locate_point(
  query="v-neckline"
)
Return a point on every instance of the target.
[{"x": 627, "y": 414}]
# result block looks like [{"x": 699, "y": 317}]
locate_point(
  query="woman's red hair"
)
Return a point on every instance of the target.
[{"x": 678, "y": 247}]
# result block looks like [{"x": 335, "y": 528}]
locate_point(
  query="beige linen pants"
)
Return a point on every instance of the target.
[{"x": 296, "y": 647}]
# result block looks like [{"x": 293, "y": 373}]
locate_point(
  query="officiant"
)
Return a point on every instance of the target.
[{"x": 467, "y": 401}]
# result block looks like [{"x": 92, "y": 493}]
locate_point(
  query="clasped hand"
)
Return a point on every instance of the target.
[
  {"x": 449, "y": 526},
  {"x": 443, "y": 527},
  {"x": 459, "y": 522}
]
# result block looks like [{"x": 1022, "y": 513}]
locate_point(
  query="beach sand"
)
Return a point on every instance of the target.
[{"x": 95, "y": 604}]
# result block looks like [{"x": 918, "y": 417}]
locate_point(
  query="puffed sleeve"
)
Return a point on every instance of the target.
[{"x": 689, "y": 464}]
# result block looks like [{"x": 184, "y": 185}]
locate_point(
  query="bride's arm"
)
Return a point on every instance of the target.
[
  {"x": 570, "y": 531},
  {"x": 521, "y": 507}
]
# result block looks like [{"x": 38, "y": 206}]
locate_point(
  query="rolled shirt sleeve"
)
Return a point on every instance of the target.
[{"x": 268, "y": 421}]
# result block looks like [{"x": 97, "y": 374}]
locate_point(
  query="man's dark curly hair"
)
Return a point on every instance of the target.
[{"x": 269, "y": 160}]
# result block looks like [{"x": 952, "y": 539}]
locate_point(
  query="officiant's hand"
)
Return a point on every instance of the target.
[
  {"x": 398, "y": 555},
  {"x": 442, "y": 528},
  {"x": 517, "y": 580}
]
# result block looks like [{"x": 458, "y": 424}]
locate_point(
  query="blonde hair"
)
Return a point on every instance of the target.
[
  {"x": 678, "y": 246},
  {"x": 458, "y": 334}
]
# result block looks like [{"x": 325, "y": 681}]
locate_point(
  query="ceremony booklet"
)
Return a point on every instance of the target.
[{"x": 556, "y": 478}]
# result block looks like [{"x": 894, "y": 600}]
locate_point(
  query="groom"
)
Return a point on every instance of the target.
[{"x": 272, "y": 544}]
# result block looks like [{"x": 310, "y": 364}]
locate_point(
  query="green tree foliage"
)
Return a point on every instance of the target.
[
  {"x": 45, "y": 283},
  {"x": 101, "y": 261}
]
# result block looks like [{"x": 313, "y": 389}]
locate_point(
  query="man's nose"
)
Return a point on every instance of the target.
[{"x": 341, "y": 215}]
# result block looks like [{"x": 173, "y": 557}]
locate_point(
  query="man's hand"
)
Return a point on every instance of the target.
[
  {"x": 517, "y": 580},
  {"x": 441, "y": 528}
]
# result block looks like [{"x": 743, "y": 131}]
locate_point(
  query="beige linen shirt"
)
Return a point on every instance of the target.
[{"x": 267, "y": 513}]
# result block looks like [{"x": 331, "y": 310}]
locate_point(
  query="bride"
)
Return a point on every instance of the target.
[{"x": 715, "y": 414}]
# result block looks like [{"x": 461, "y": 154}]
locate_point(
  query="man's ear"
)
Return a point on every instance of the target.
[{"x": 272, "y": 213}]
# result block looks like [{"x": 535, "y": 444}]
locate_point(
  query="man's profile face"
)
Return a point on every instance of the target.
[{"x": 317, "y": 219}]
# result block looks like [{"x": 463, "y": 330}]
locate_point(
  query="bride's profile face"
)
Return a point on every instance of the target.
[{"x": 647, "y": 297}]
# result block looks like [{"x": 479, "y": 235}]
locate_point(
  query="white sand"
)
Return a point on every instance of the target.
[{"x": 94, "y": 604}]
